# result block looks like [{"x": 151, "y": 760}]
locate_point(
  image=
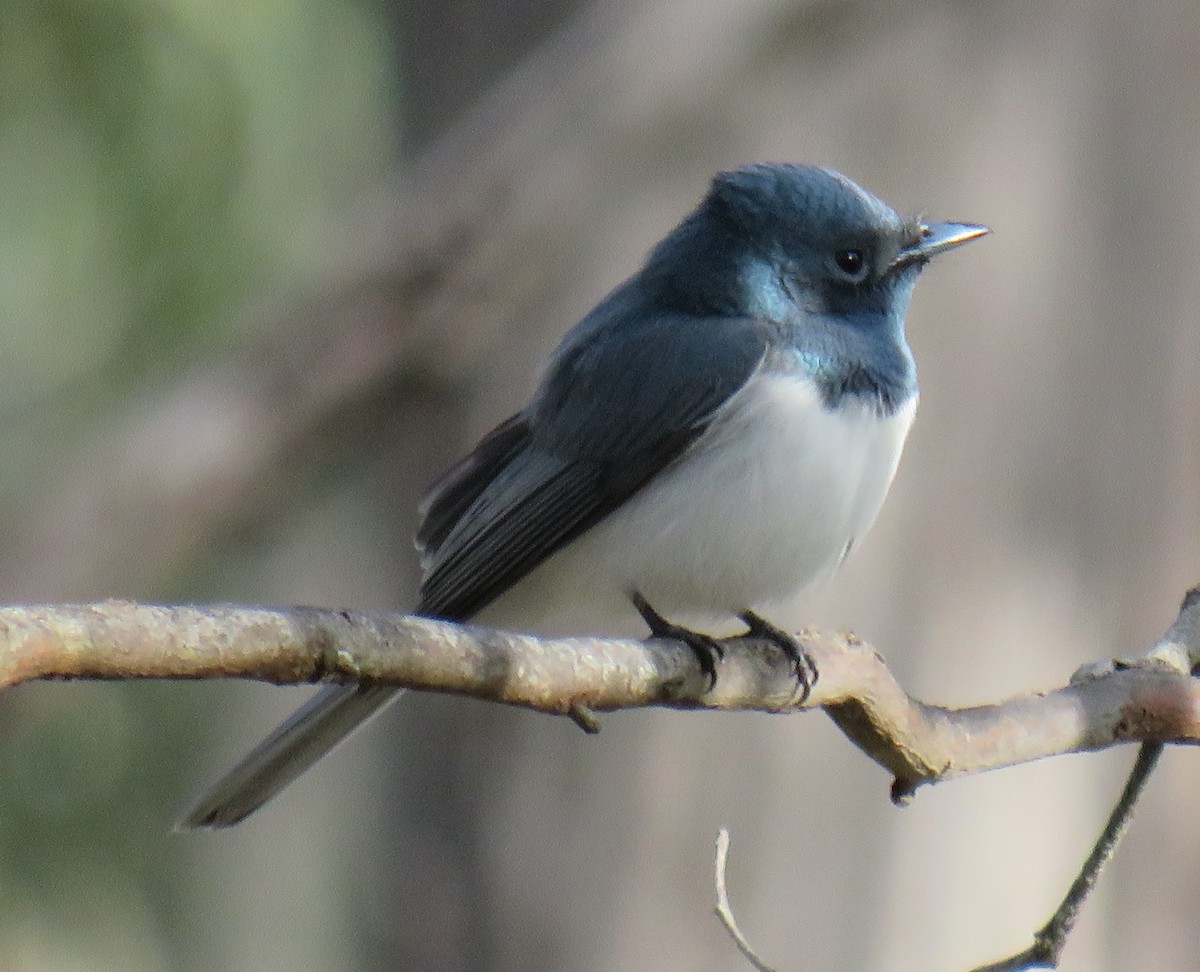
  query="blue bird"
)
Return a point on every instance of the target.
[{"x": 713, "y": 437}]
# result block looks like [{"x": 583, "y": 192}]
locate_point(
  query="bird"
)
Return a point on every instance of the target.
[{"x": 711, "y": 439}]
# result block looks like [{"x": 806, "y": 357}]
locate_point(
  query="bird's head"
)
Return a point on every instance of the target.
[{"x": 777, "y": 240}]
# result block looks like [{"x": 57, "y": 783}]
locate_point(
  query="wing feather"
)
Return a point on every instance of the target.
[
  {"x": 617, "y": 407},
  {"x": 453, "y": 494}
]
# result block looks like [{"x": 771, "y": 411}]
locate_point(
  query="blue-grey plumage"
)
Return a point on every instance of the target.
[{"x": 713, "y": 437}]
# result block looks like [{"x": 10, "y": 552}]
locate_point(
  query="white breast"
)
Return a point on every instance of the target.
[{"x": 766, "y": 503}]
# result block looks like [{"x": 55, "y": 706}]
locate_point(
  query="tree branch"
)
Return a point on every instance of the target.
[
  {"x": 1155, "y": 700},
  {"x": 916, "y": 742}
]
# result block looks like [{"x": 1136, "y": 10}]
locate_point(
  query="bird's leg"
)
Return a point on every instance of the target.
[
  {"x": 802, "y": 663},
  {"x": 706, "y": 648}
]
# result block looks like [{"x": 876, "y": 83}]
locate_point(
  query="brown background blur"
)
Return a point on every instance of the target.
[{"x": 265, "y": 269}]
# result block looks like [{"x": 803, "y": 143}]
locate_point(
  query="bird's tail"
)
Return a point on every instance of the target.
[{"x": 307, "y": 735}]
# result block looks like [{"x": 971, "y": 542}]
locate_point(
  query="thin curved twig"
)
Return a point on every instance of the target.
[{"x": 723, "y": 910}]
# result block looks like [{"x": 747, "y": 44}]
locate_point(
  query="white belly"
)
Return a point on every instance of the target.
[{"x": 766, "y": 503}]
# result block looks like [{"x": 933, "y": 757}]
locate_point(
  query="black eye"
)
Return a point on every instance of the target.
[{"x": 850, "y": 262}]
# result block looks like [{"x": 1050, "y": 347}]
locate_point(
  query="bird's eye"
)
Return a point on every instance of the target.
[{"x": 851, "y": 262}]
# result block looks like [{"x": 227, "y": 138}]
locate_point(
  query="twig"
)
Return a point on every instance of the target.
[
  {"x": 1049, "y": 941},
  {"x": 725, "y": 913},
  {"x": 1178, "y": 650}
]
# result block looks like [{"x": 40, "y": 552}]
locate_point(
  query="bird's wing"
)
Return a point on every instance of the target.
[
  {"x": 617, "y": 406},
  {"x": 460, "y": 486},
  {"x": 614, "y": 410}
]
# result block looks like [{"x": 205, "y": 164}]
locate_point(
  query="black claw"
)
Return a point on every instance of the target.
[
  {"x": 803, "y": 666},
  {"x": 707, "y": 649}
]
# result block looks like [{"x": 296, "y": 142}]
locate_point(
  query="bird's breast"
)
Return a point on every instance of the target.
[{"x": 764, "y": 504}]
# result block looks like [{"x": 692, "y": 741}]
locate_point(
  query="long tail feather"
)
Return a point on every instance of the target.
[{"x": 307, "y": 735}]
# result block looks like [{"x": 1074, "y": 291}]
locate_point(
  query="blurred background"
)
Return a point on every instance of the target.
[{"x": 266, "y": 268}]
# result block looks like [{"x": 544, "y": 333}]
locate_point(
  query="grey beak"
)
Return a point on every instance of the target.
[{"x": 938, "y": 238}]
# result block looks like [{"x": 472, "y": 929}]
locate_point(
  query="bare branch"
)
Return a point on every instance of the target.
[
  {"x": 1155, "y": 700},
  {"x": 917, "y": 743}
]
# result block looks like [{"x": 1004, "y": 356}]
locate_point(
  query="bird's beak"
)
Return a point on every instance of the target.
[{"x": 937, "y": 238}]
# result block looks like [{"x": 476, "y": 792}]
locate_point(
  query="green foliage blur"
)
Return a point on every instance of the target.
[{"x": 163, "y": 163}]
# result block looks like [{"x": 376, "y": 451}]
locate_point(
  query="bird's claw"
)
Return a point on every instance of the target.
[
  {"x": 803, "y": 666},
  {"x": 707, "y": 649}
]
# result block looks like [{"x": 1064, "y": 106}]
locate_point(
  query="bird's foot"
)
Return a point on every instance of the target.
[
  {"x": 803, "y": 666},
  {"x": 706, "y": 648}
]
